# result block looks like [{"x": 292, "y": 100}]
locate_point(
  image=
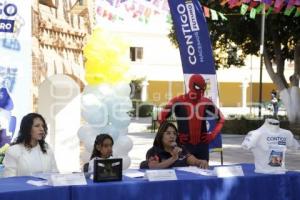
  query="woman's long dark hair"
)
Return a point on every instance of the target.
[
  {"x": 99, "y": 141},
  {"x": 25, "y": 131},
  {"x": 159, "y": 135}
]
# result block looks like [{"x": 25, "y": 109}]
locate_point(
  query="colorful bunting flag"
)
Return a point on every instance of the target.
[
  {"x": 278, "y": 3},
  {"x": 206, "y": 11},
  {"x": 169, "y": 18},
  {"x": 165, "y": 5},
  {"x": 233, "y": 3},
  {"x": 269, "y": 11},
  {"x": 297, "y": 14},
  {"x": 223, "y": 2},
  {"x": 268, "y": 2},
  {"x": 111, "y": 2},
  {"x": 244, "y": 9},
  {"x": 290, "y": 4},
  {"x": 253, "y": 4},
  {"x": 288, "y": 11},
  {"x": 253, "y": 13},
  {"x": 214, "y": 15},
  {"x": 259, "y": 8},
  {"x": 142, "y": 10},
  {"x": 222, "y": 16}
]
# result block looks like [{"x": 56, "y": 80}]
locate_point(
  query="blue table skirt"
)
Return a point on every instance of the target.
[
  {"x": 188, "y": 186},
  {"x": 16, "y": 188},
  {"x": 191, "y": 186}
]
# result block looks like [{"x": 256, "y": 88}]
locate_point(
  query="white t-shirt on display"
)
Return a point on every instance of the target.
[{"x": 269, "y": 144}]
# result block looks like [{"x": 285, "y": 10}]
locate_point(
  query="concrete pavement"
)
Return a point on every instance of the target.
[{"x": 232, "y": 151}]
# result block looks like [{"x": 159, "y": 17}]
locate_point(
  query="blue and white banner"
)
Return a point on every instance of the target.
[
  {"x": 195, "y": 48},
  {"x": 15, "y": 65}
]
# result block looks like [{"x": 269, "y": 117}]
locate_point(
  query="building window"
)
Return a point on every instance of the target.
[{"x": 136, "y": 53}]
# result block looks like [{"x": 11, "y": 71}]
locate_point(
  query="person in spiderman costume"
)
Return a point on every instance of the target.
[{"x": 192, "y": 111}]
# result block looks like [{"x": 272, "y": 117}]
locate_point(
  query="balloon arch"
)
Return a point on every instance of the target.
[{"x": 105, "y": 101}]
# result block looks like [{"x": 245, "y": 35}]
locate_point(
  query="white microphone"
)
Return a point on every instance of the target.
[
  {"x": 180, "y": 155},
  {"x": 174, "y": 144}
]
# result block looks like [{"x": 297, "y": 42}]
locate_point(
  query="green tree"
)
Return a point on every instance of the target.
[{"x": 239, "y": 36}]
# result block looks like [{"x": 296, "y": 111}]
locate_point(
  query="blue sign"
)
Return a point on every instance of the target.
[
  {"x": 193, "y": 38},
  {"x": 7, "y": 25}
]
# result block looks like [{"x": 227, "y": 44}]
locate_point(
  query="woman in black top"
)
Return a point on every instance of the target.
[{"x": 166, "y": 153}]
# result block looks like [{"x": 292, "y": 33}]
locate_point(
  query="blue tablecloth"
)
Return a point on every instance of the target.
[
  {"x": 16, "y": 188},
  {"x": 188, "y": 186},
  {"x": 192, "y": 186}
]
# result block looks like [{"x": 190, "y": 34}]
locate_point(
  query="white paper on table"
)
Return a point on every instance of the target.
[
  {"x": 229, "y": 171},
  {"x": 45, "y": 176},
  {"x": 37, "y": 183},
  {"x": 67, "y": 179},
  {"x": 197, "y": 170},
  {"x": 133, "y": 173},
  {"x": 161, "y": 175}
]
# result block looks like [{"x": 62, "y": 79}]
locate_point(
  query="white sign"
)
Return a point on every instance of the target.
[
  {"x": 67, "y": 179},
  {"x": 197, "y": 170},
  {"x": 133, "y": 173},
  {"x": 229, "y": 171},
  {"x": 161, "y": 175}
]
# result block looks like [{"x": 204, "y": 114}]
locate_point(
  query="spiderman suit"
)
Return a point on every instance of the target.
[{"x": 192, "y": 110}]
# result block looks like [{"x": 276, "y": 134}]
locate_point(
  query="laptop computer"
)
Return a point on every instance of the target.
[{"x": 108, "y": 169}]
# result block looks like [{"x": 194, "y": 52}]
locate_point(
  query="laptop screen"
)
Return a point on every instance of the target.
[{"x": 107, "y": 169}]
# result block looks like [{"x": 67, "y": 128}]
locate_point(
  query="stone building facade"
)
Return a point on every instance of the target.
[{"x": 59, "y": 32}]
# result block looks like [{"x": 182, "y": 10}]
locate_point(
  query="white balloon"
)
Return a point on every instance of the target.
[
  {"x": 89, "y": 144},
  {"x": 116, "y": 132},
  {"x": 109, "y": 101},
  {"x": 108, "y": 129},
  {"x": 89, "y": 89},
  {"x": 94, "y": 90},
  {"x": 105, "y": 89},
  {"x": 89, "y": 100},
  {"x": 95, "y": 114},
  {"x": 87, "y": 134},
  {"x": 105, "y": 109},
  {"x": 123, "y": 131},
  {"x": 87, "y": 131},
  {"x": 122, "y": 89},
  {"x": 121, "y": 104},
  {"x": 120, "y": 120},
  {"x": 123, "y": 145},
  {"x": 126, "y": 161},
  {"x": 85, "y": 156}
]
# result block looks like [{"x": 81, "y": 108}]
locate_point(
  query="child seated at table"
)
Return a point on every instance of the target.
[
  {"x": 166, "y": 153},
  {"x": 102, "y": 150}
]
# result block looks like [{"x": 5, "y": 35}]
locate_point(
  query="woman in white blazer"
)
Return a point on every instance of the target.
[{"x": 30, "y": 154}]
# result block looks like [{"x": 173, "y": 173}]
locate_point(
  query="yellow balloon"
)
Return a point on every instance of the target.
[{"x": 105, "y": 58}]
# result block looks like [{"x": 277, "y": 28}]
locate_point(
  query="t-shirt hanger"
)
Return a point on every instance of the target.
[
  {"x": 272, "y": 121},
  {"x": 271, "y": 124}
]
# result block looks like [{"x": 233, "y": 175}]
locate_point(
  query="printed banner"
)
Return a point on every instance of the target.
[
  {"x": 195, "y": 49},
  {"x": 15, "y": 66}
]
